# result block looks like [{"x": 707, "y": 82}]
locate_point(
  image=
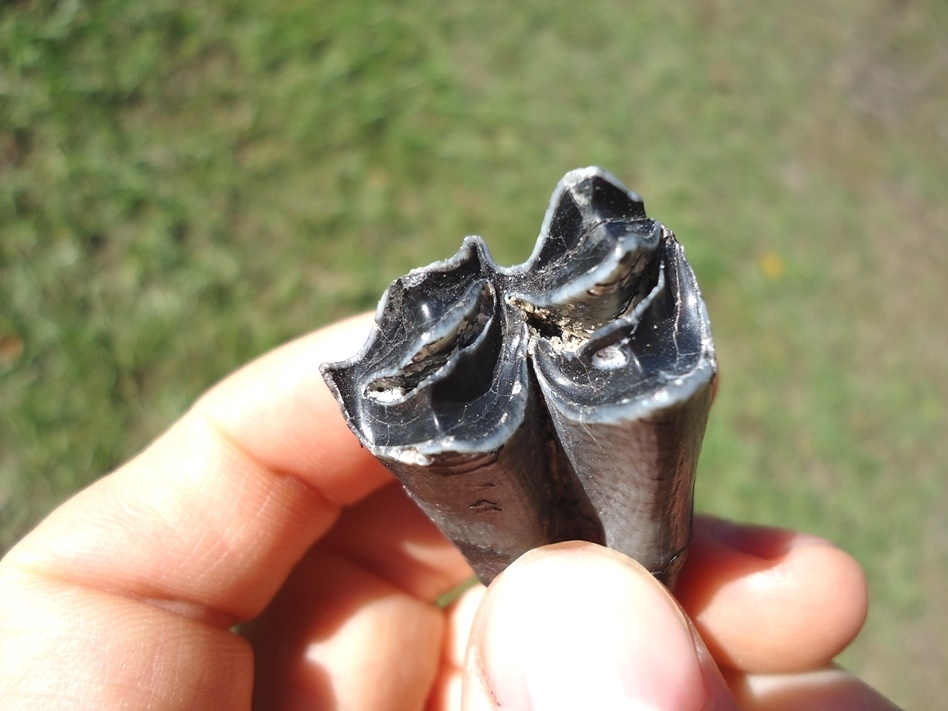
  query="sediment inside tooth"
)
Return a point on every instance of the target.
[{"x": 571, "y": 317}]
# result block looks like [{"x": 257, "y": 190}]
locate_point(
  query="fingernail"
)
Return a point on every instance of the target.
[
  {"x": 764, "y": 542},
  {"x": 579, "y": 627}
]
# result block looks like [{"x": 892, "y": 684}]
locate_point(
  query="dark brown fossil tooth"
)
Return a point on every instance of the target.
[{"x": 563, "y": 398}]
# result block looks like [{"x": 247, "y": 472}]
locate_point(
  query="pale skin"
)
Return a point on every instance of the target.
[{"x": 256, "y": 556}]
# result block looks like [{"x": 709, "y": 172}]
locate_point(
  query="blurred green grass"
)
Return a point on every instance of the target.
[{"x": 185, "y": 185}]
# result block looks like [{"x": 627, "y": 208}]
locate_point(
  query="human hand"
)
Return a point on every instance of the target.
[{"x": 259, "y": 505}]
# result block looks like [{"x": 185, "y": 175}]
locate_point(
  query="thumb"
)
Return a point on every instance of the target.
[{"x": 578, "y": 626}]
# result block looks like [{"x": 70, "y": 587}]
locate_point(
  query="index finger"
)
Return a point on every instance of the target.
[{"x": 210, "y": 519}]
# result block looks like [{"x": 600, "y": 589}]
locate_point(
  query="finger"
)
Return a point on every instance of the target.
[
  {"x": 769, "y": 600},
  {"x": 123, "y": 596},
  {"x": 578, "y": 626},
  {"x": 447, "y": 691},
  {"x": 66, "y": 647},
  {"x": 389, "y": 536},
  {"x": 827, "y": 689},
  {"x": 210, "y": 519},
  {"x": 279, "y": 411},
  {"x": 338, "y": 636},
  {"x": 353, "y": 606}
]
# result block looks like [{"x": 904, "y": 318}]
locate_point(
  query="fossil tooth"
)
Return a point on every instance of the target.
[{"x": 559, "y": 399}]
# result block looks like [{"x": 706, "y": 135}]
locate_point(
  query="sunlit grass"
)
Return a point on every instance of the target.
[{"x": 185, "y": 185}]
